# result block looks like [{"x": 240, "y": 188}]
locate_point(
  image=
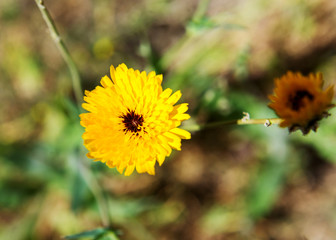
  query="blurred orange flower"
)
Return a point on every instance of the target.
[{"x": 300, "y": 101}]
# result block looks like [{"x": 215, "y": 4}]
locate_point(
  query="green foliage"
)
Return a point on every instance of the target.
[
  {"x": 96, "y": 234},
  {"x": 265, "y": 187},
  {"x": 227, "y": 182}
]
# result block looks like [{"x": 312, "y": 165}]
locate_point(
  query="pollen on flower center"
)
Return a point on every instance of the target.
[
  {"x": 296, "y": 101},
  {"x": 132, "y": 121}
]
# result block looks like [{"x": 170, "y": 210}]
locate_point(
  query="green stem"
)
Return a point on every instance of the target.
[
  {"x": 266, "y": 121},
  {"x": 244, "y": 121},
  {"x": 76, "y": 82},
  {"x": 96, "y": 190},
  {"x": 201, "y": 10}
]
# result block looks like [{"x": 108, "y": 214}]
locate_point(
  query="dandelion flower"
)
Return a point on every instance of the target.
[
  {"x": 300, "y": 101},
  {"x": 131, "y": 122}
]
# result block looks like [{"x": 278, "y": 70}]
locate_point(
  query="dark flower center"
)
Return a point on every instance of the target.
[
  {"x": 296, "y": 101},
  {"x": 132, "y": 121}
]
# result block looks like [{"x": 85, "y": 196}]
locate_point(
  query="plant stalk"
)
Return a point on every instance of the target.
[
  {"x": 244, "y": 121},
  {"x": 76, "y": 82}
]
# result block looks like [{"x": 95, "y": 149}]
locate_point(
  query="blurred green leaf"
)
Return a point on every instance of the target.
[
  {"x": 9, "y": 11},
  {"x": 269, "y": 178},
  {"x": 96, "y": 234},
  {"x": 107, "y": 236},
  {"x": 123, "y": 209},
  {"x": 241, "y": 68},
  {"x": 199, "y": 25},
  {"x": 79, "y": 189},
  {"x": 219, "y": 219},
  {"x": 265, "y": 188},
  {"x": 23, "y": 226}
]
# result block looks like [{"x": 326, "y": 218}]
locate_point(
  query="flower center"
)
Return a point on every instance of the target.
[
  {"x": 296, "y": 101},
  {"x": 132, "y": 121}
]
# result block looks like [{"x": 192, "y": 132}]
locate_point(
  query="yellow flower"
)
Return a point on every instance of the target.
[
  {"x": 132, "y": 122},
  {"x": 300, "y": 101}
]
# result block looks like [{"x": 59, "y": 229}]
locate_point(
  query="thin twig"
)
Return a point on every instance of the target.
[
  {"x": 76, "y": 82},
  {"x": 244, "y": 121},
  {"x": 266, "y": 121}
]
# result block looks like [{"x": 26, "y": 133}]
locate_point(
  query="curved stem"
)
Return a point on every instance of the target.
[{"x": 76, "y": 83}]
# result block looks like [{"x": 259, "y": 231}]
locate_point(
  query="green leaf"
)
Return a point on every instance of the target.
[
  {"x": 107, "y": 236},
  {"x": 265, "y": 188},
  {"x": 269, "y": 179},
  {"x": 99, "y": 233}
]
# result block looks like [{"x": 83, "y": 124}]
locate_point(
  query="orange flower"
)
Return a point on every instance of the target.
[{"x": 300, "y": 101}]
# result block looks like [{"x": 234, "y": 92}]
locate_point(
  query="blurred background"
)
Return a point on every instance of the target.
[{"x": 232, "y": 182}]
